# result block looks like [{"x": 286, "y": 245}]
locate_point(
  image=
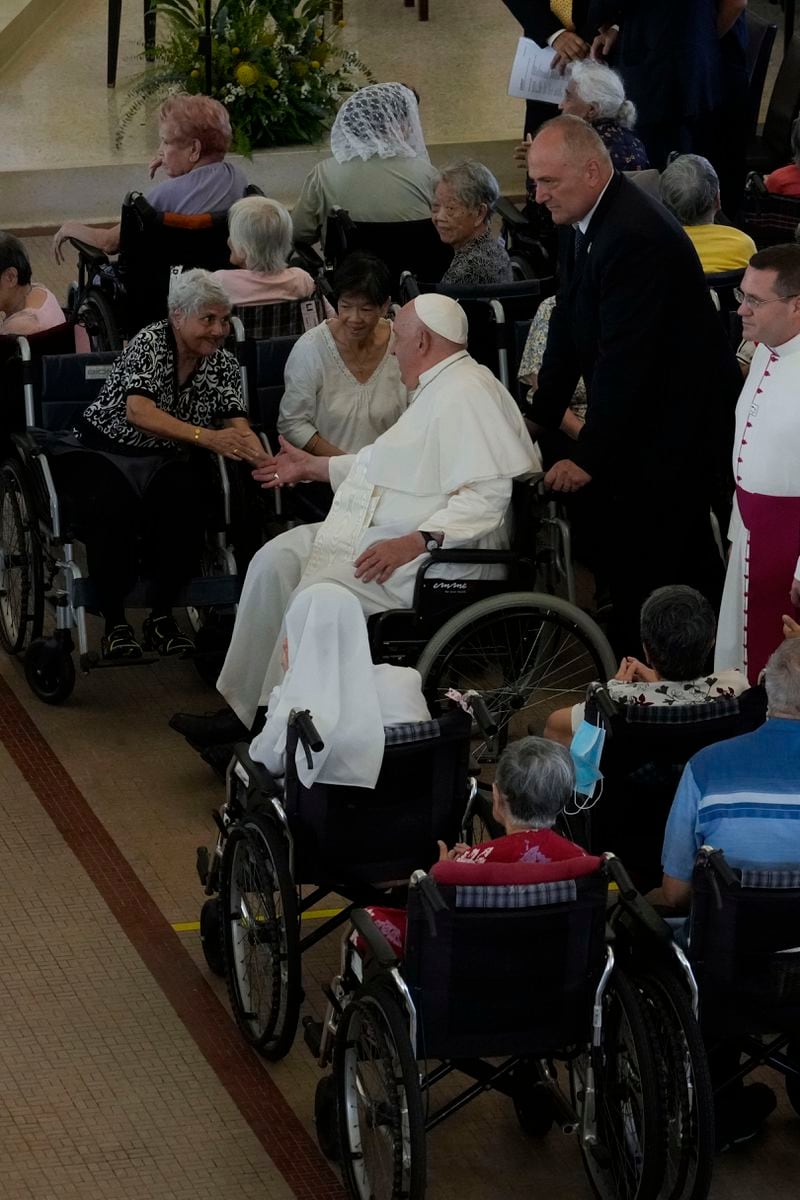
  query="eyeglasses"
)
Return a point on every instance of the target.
[{"x": 754, "y": 303}]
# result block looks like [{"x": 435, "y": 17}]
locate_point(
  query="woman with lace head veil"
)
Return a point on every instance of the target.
[{"x": 379, "y": 169}]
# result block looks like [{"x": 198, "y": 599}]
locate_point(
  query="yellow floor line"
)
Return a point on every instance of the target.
[{"x": 314, "y": 914}]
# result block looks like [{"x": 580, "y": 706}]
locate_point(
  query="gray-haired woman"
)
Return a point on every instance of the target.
[
  {"x": 129, "y": 464},
  {"x": 260, "y": 241},
  {"x": 463, "y": 203}
]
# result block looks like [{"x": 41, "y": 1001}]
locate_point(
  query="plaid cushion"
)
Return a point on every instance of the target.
[
  {"x": 771, "y": 218},
  {"x": 284, "y": 318},
  {"x": 770, "y": 878},
  {"x": 681, "y": 714},
  {"x": 411, "y": 731},
  {"x": 529, "y": 895}
]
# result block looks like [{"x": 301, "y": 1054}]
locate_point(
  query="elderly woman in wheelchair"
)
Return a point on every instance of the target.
[
  {"x": 130, "y": 468},
  {"x": 260, "y": 241},
  {"x": 194, "y": 136}
]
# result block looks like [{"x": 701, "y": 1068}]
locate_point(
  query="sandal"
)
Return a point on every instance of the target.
[
  {"x": 162, "y": 634},
  {"x": 120, "y": 643}
]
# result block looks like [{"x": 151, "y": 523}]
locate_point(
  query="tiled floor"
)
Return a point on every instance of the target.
[{"x": 121, "y": 1072}]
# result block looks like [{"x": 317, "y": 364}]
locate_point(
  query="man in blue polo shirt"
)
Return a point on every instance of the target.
[{"x": 741, "y": 796}]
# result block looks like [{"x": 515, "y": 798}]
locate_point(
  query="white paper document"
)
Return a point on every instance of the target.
[{"x": 531, "y": 75}]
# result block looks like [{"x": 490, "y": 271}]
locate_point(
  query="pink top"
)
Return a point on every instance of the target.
[
  {"x": 784, "y": 182},
  {"x": 34, "y": 320},
  {"x": 251, "y": 287}
]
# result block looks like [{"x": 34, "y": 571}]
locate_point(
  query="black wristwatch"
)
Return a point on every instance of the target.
[{"x": 431, "y": 540}]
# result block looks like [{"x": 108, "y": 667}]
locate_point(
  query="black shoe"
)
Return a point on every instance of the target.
[
  {"x": 741, "y": 1113},
  {"x": 120, "y": 643},
  {"x": 162, "y": 634},
  {"x": 212, "y": 729}
]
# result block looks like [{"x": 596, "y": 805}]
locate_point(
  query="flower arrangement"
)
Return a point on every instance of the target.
[{"x": 275, "y": 65}]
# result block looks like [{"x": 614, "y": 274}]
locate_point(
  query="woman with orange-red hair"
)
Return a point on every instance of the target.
[{"x": 195, "y": 134}]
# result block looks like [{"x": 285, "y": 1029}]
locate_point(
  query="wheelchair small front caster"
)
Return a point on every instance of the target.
[
  {"x": 211, "y": 936},
  {"x": 326, "y": 1118},
  {"x": 49, "y": 669}
]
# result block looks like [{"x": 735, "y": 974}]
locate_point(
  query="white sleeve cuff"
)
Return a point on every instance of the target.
[{"x": 553, "y": 36}]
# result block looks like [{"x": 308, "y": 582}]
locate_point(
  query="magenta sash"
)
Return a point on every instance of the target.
[{"x": 773, "y": 523}]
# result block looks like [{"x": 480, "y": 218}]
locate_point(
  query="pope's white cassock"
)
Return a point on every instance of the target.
[
  {"x": 446, "y": 466},
  {"x": 765, "y": 525}
]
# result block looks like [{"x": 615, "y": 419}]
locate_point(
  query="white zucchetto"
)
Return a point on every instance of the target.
[{"x": 444, "y": 316}]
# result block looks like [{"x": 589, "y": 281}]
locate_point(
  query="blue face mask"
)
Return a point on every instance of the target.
[{"x": 586, "y": 749}]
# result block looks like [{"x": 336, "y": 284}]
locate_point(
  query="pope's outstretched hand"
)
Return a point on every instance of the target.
[{"x": 288, "y": 467}]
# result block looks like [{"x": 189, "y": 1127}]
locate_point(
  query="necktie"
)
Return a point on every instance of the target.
[
  {"x": 580, "y": 241},
  {"x": 563, "y": 10}
]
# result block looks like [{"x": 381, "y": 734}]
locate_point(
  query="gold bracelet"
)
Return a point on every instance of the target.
[{"x": 197, "y": 432}]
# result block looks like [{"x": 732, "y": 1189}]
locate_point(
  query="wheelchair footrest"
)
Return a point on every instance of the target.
[
  {"x": 312, "y": 1035},
  {"x": 92, "y": 662}
]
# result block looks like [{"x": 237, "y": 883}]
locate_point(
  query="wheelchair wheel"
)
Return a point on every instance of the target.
[
  {"x": 49, "y": 670},
  {"x": 21, "y": 581},
  {"x": 211, "y": 936},
  {"x": 687, "y": 1092},
  {"x": 261, "y": 935},
  {"x": 623, "y": 1141},
  {"x": 97, "y": 317},
  {"x": 792, "y": 1082},
  {"x": 381, "y": 1123},
  {"x": 326, "y": 1118},
  {"x": 526, "y": 653}
]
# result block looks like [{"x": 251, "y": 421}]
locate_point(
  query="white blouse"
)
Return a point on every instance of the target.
[{"x": 322, "y": 396}]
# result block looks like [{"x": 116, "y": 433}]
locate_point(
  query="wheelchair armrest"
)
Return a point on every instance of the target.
[
  {"x": 90, "y": 253},
  {"x": 378, "y": 946},
  {"x": 258, "y": 777},
  {"x": 493, "y": 557},
  {"x": 510, "y": 213},
  {"x": 644, "y": 917}
]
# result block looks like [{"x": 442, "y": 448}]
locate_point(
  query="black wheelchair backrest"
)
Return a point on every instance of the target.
[
  {"x": 507, "y": 968},
  {"x": 69, "y": 383},
  {"x": 269, "y": 363},
  {"x": 387, "y": 832},
  {"x": 745, "y": 946},
  {"x": 403, "y": 245}
]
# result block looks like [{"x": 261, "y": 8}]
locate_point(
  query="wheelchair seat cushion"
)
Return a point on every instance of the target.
[{"x": 498, "y": 875}]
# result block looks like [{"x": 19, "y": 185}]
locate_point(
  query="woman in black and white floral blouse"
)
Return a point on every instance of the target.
[
  {"x": 462, "y": 208},
  {"x": 130, "y": 466}
]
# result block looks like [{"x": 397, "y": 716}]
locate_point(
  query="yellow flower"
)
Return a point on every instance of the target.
[
  {"x": 268, "y": 39},
  {"x": 273, "y": 83},
  {"x": 300, "y": 69},
  {"x": 236, "y": 50},
  {"x": 195, "y": 74},
  {"x": 341, "y": 24},
  {"x": 315, "y": 65},
  {"x": 247, "y": 74}
]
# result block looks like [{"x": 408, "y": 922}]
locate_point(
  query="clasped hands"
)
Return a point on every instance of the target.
[{"x": 566, "y": 476}]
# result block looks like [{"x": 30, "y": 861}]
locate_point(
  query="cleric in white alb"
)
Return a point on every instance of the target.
[
  {"x": 442, "y": 473},
  {"x": 763, "y": 580}
]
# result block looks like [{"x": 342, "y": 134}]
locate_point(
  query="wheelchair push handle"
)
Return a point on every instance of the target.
[
  {"x": 599, "y": 694},
  {"x": 307, "y": 733},
  {"x": 432, "y": 901},
  {"x": 483, "y": 718}
]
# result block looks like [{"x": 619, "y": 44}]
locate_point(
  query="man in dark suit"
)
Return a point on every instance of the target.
[
  {"x": 540, "y": 22},
  {"x": 635, "y": 320}
]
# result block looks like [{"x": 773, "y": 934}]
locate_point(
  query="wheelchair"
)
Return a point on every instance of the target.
[
  {"x": 743, "y": 951},
  {"x": 646, "y": 748},
  {"x": 511, "y": 978},
  {"x": 39, "y": 529},
  {"x": 770, "y": 220},
  {"x": 115, "y": 300},
  {"x": 277, "y": 836}
]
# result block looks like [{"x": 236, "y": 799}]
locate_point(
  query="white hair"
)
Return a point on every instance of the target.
[
  {"x": 782, "y": 680},
  {"x": 597, "y": 84},
  {"x": 473, "y": 184},
  {"x": 195, "y": 290},
  {"x": 262, "y": 230}
]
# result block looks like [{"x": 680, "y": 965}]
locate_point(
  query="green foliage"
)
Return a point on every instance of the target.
[{"x": 275, "y": 65}]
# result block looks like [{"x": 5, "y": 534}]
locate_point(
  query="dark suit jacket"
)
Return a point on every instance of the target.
[
  {"x": 668, "y": 55},
  {"x": 635, "y": 319},
  {"x": 538, "y": 22}
]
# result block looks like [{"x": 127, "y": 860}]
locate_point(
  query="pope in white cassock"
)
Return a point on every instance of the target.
[
  {"x": 762, "y": 584},
  {"x": 442, "y": 474}
]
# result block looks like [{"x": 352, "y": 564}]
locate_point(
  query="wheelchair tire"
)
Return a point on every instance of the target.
[
  {"x": 687, "y": 1091},
  {"x": 381, "y": 1121},
  {"x": 97, "y": 317},
  {"x": 261, "y": 935},
  {"x": 625, "y": 1153},
  {"x": 211, "y": 936},
  {"x": 22, "y": 579},
  {"x": 49, "y": 670},
  {"x": 527, "y": 653},
  {"x": 326, "y": 1118}
]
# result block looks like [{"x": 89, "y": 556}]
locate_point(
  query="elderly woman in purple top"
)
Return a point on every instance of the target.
[{"x": 195, "y": 134}]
